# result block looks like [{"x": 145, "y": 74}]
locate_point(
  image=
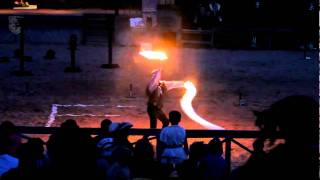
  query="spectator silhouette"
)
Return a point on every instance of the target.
[
  {"x": 104, "y": 139},
  {"x": 258, "y": 152},
  {"x": 213, "y": 165},
  {"x": 255, "y": 165},
  {"x": 71, "y": 152},
  {"x": 104, "y": 130},
  {"x": 122, "y": 153},
  {"x": 114, "y": 150},
  {"x": 104, "y": 145},
  {"x": 190, "y": 169},
  {"x": 10, "y": 142},
  {"x": 119, "y": 169},
  {"x": 144, "y": 164},
  {"x": 32, "y": 162},
  {"x": 296, "y": 117},
  {"x": 189, "y": 12}
]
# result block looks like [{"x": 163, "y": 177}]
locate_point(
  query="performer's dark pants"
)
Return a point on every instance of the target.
[{"x": 156, "y": 113}]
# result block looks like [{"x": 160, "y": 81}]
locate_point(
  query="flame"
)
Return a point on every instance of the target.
[
  {"x": 186, "y": 104},
  {"x": 154, "y": 55}
]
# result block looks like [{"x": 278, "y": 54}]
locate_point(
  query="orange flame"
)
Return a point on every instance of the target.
[
  {"x": 186, "y": 105},
  {"x": 153, "y": 55}
]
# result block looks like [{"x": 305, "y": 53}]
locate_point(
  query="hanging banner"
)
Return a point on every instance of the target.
[{"x": 15, "y": 24}]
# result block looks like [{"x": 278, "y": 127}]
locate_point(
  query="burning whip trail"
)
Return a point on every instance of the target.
[{"x": 186, "y": 104}]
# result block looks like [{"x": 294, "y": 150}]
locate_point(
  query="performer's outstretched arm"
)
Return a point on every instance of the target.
[
  {"x": 155, "y": 80},
  {"x": 173, "y": 84}
]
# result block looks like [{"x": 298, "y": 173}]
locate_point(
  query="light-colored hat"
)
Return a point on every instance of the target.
[{"x": 115, "y": 126}]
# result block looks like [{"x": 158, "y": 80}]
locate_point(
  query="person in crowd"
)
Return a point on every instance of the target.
[
  {"x": 254, "y": 166},
  {"x": 144, "y": 164},
  {"x": 112, "y": 134},
  {"x": 258, "y": 153},
  {"x": 104, "y": 131},
  {"x": 309, "y": 26},
  {"x": 173, "y": 142},
  {"x": 10, "y": 141},
  {"x": 114, "y": 150},
  {"x": 104, "y": 143},
  {"x": 120, "y": 166},
  {"x": 149, "y": 13},
  {"x": 33, "y": 164},
  {"x": 213, "y": 165},
  {"x": 71, "y": 152},
  {"x": 296, "y": 117},
  {"x": 190, "y": 169}
]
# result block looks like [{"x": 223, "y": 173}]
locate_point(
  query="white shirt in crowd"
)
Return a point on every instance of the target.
[{"x": 173, "y": 137}]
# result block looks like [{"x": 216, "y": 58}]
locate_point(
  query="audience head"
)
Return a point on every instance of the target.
[
  {"x": 10, "y": 140},
  {"x": 105, "y": 124},
  {"x": 7, "y": 127},
  {"x": 31, "y": 151},
  {"x": 105, "y": 127},
  {"x": 215, "y": 146},
  {"x": 69, "y": 124},
  {"x": 174, "y": 117},
  {"x": 258, "y": 145},
  {"x": 143, "y": 149},
  {"x": 197, "y": 150}
]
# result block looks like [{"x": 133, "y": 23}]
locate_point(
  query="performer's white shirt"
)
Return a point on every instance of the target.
[{"x": 173, "y": 137}]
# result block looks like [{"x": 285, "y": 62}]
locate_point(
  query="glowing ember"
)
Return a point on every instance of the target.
[
  {"x": 154, "y": 55},
  {"x": 186, "y": 104}
]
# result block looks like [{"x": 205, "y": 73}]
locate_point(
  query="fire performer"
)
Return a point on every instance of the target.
[{"x": 155, "y": 92}]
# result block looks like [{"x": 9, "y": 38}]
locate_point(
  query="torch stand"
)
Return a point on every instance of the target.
[
  {"x": 72, "y": 47},
  {"x": 22, "y": 57}
]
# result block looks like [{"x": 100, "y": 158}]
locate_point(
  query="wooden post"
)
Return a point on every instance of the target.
[
  {"x": 228, "y": 154},
  {"x": 22, "y": 58},
  {"x": 110, "y": 34},
  {"x": 72, "y": 47},
  {"x": 22, "y": 41},
  {"x": 110, "y": 64},
  {"x": 21, "y": 53}
]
